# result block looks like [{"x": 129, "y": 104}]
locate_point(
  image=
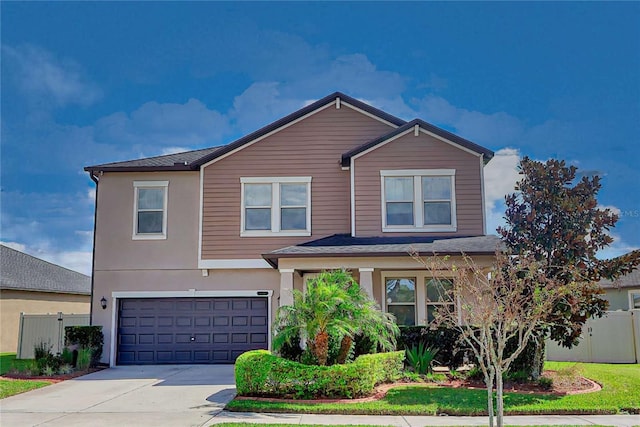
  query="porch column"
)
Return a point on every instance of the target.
[
  {"x": 286, "y": 286},
  {"x": 366, "y": 280}
]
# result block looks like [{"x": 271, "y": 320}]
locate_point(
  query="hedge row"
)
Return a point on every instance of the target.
[
  {"x": 454, "y": 352},
  {"x": 259, "y": 373}
]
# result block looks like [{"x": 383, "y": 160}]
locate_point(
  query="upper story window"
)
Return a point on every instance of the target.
[
  {"x": 418, "y": 200},
  {"x": 276, "y": 206},
  {"x": 150, "y": 210}
]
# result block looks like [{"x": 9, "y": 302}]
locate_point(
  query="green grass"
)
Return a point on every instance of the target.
[
  {"x": 8, "y": 362},
  {"x": 8, "y": 388},
  {"x": 348, "y": 425},
  {"x": 620, "y": 392},
  {"x": 12, "y": 387}
]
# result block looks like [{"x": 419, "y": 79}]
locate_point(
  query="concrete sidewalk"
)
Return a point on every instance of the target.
[{"x": 415, "y": 421}]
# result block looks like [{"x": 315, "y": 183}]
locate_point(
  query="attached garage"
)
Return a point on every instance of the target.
[{"x": 183, "y": 330}]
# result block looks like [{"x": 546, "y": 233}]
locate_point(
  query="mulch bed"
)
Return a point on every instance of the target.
[
  {"x": 52, "y": 379},
  {"x": 562, "y": 386}
]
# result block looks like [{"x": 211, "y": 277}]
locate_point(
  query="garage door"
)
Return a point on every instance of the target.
[{"x": 189, "y": 330}]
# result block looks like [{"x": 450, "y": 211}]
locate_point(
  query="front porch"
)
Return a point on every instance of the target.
[{"x": 383, "y": 267}]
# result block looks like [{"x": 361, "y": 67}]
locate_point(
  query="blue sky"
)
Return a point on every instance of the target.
[{"x": 89, "y": 83}]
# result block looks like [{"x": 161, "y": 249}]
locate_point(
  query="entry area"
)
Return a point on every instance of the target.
[{"x": 199, "y": 330}]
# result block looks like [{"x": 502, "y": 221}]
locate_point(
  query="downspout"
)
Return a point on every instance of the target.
[{"x": 95, "y": 179}]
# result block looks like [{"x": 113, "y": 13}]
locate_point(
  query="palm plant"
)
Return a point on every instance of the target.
[{"x": 333, "y": 305}]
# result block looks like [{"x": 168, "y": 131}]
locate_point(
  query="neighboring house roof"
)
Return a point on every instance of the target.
[
  {"x": 192, "y": 160},
  {"x": 343, "y": 245},
  {"x": 488, "y": 154},
  {"x": 629, "y": 280},
  {"x": 20, "y": 271}
]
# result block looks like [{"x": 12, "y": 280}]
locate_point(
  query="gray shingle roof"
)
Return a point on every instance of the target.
[
  {"x": 176, "y": 161},
  {"x": 20, "y": 271},
  {"x": 380, "y": 246},
  {"x": 630, "y": 280}
]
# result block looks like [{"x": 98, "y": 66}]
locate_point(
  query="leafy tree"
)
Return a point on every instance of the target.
[
  {"x": 557, "y": 221},
  {"x": 504, "y": 303},
  {"x": 335, "y": 306}
]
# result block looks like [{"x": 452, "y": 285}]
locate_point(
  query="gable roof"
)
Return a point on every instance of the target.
[
  {"x": 192, "y": 160},
  {"x": 20, "y": 271},
  {"x": 295, "y": 116},
  {"x": 453, "y": 138}
]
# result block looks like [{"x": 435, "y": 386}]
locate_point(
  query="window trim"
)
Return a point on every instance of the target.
[
  {"x": 418, "y": 201},
  {"x": 137, "y": 185},
  {"x": 436, "y": 304},
  {"x": 275, "y": 206},
  {"x": 421, "y": 278},
  {"x": 631, "y": 293}
]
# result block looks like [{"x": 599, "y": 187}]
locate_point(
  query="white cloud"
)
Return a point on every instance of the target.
[
  {"x": 617, "y": 248},
  {"x": 15, "y": 245},
  {"x": 500, "y": 177},
  {"x": 161, "y": 125},
  {"x": 612, "y": 208},
  {"x": 495, "y": 129},
  {"x": 45, "y": 78},
  {"x": 79, "y": 261},
  {"x": 173, "y": 150}
]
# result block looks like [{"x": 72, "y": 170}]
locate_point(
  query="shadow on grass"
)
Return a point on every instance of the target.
[{"x": 458, "y": 401}]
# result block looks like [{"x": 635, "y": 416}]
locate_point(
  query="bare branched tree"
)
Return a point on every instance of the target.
[{"x": 494, "y": 305}]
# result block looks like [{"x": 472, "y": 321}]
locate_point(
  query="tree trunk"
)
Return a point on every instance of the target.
[
  {"x": 538, "y": 359},
  {"x": 489, "y": 383},
  {"x": 345, "y": 347},
  {"x": 321, "y": 347},
  {"x": 499, "y": 399}
]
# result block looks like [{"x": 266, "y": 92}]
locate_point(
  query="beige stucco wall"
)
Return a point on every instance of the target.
[
  {"x": 619, "y": 298},
  {"x": 166, "y": 280},
  {"x": 12, "y": 303},
  {"x": 115, "y": 248}
]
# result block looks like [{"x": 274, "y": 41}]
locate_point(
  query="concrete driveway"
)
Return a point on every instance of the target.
[{"x": 172, "y": 395}]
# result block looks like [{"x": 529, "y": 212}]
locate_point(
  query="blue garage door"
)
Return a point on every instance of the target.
[{"x": 189, "y": 330}]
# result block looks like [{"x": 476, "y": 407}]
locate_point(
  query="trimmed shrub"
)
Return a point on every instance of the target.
[
  {"x": 259, "y": 373},
  {"x": 86, "y": 337},
  {"x": 451, "y": 350}
]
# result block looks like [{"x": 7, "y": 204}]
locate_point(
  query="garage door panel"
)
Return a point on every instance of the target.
[{"x": 190, "y": 330}]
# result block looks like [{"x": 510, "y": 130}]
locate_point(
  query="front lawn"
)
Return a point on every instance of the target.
[
  {"x": 620, "y": 392},
  {"x": 8, "y": 362},
  {"x": 9, "y": 387}
]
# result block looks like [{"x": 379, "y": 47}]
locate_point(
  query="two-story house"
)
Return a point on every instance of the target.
[{"x": 195, "y": 251}]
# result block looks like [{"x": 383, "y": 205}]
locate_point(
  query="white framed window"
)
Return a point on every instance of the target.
[
  {"x": 275, "y": 206},
  {"x": 634, "y": 299},
  {"x": 412, "y": 303},
  {"x": 400, "y": 296},
  {"x": 438, "y": 294},
  {"x": 150, "y": 210},
  {"x": 421, "y": 200}
]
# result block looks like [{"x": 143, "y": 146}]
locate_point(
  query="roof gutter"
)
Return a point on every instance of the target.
[
  {"x": 272, "y": 259},
  {"x": 95, "y": 179}
]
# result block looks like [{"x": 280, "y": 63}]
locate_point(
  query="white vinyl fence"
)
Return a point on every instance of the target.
[
  {"x": 47, "y": 328},
  {"x": 614, "y": 338}
]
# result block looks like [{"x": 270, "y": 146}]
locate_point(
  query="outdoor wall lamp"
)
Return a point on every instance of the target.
[{"x": 103, "y": 303}]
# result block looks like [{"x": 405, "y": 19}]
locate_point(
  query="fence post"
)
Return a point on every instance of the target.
[{"x": 20, "y": 326}]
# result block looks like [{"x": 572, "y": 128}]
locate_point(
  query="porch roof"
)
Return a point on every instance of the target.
[{"x": 344, "y": 245}]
